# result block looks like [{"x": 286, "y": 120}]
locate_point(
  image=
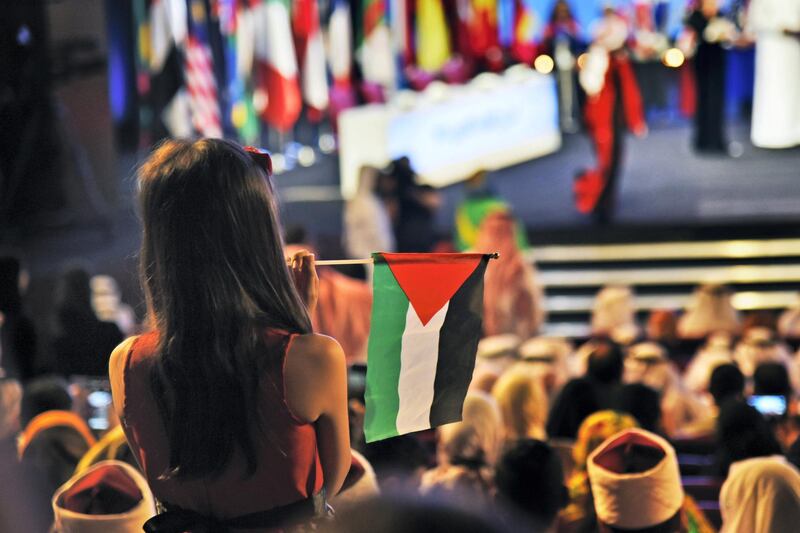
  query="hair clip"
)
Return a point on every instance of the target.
[{"x": 261, "y": 157}]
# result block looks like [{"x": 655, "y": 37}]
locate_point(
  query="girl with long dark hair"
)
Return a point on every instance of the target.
[{"x": 235, "y": 410}]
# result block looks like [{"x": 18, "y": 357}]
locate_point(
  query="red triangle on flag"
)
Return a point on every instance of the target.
[{"x": 430, "y": 280}]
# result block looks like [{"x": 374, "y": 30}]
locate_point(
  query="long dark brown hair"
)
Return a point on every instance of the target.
[{"x": 215, "y": 277}]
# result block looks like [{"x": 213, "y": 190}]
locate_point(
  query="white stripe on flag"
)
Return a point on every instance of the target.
[{"x": 418, "y": 356}]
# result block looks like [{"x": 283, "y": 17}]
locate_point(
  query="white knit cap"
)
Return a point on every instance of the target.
[
  {"x": 634, "y": 500},
  {"x": 70, "y": 521}
]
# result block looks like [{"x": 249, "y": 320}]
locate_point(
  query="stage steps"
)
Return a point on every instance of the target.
[{"x": 764, "y": 273}]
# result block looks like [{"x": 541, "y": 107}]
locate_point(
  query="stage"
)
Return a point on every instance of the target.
[{"x": 664, "y": 188}]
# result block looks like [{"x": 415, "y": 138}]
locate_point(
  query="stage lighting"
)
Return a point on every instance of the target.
[
  {"x": 673, "y": 58},
  {"x": 278, "y": 163},
  {"x": 544, "y": 64},
  {"x": 327, "y": 143},
  {"x": 306, "y": 156}
]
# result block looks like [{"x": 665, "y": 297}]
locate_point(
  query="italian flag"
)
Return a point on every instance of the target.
[
  {"x": 311, "y": 55},
  {"x": 426, "y": 321},
  {"x": 277, "y": 95}
]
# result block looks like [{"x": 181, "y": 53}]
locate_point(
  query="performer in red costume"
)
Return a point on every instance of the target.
[{"x": 613, "y": 105}]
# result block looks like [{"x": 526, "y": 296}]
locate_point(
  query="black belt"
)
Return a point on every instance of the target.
[{"x": 178, "y": 520}]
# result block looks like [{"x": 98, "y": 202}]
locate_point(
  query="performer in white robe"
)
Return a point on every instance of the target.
[{"x": 776, "y": 103}]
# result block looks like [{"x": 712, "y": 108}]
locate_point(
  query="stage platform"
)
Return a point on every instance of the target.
[{"x": 667, "y": 192}]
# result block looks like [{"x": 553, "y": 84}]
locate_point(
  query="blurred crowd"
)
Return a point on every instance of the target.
[{"x": 661, "y": 423}]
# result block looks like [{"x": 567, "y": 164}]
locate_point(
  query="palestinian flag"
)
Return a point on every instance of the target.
[{"x": 426, "y": 321}]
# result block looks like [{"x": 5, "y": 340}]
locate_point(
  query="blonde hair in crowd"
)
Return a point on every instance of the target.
[
  {"x": 523, "y": 403},
  {"x": 480, "y": 431}
]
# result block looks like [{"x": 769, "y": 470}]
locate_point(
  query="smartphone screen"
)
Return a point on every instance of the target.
[{"x": 769, "y": 405}]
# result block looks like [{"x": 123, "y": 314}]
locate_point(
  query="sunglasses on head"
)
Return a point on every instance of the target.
[{"x": 261, "y": 158}]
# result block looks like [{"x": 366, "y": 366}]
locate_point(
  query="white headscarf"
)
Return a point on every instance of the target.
[{"x": 761, "y": 495}]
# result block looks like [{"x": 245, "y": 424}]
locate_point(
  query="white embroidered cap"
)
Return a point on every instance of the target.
[{"x": 635, "y": 480}]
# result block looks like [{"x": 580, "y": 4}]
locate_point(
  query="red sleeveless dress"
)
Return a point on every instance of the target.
[{"x": 288, "y": 466}]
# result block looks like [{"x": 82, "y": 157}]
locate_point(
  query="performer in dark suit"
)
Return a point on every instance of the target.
[{"x": 711, "y": 31}]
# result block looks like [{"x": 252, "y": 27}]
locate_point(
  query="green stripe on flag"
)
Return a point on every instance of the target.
[{"x": 383, "y": 369}]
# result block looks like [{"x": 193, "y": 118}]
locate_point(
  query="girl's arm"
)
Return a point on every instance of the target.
[{"x": 316, "y": 391}]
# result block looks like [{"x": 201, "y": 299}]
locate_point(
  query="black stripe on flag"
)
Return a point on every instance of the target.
[{"x": 458, "y": 344}]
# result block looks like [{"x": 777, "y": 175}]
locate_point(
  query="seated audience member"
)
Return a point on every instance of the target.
[
  {"x": 466, "y": 452},
  {"x": 83, "y": 343},
  {"x": 479, "y": 434},
  {"x": 397, "y": 513},
  {"x": 549, "y": 358},
  {"x": 530, "y": 483},
  {"x": 399, "y": 462},
  {"x": 514, "y": 297},
  {"x": 109, "y": 497},
  {"x": 662, "y": 327},
  {"x": 494, "y": 356},
  {"x": 576, "y": 401},
  {"x": 760, "y": 345},
  {"x": 714, "y": 352},
  {"x": 109, "y": 307},
  {"x": 789, "y": 324},
  {"x": 578, "y": 515},
  {"x": 761, "y": 495},
  {"x": 760, "y": 319},
  {"x": 605, "y": 365},
  {"x": 742, "y": 433},
  {"x": 521, "y": 396},
  {"x": 24, "y": 495},
  {"x": 726, "y": 384},
  {"x": 10, "y": 412},
  {"x": 636, "y": 486},
  {"x": 598, "y": 389},
  {"x": 647, "y": 363},
  {"x": 772, "y": 379},
  {"x": 54, "y": 438},
  {"x": 18, "y": 341},
  {"x": 710, "y": 310},
  {"x": 462, "y": 485},
  {"x": 356, "y": 408},
  {"x": 614, "y": 314},
  {"x": 343, "y": 308},
  {"x": 644, "y": 404}
]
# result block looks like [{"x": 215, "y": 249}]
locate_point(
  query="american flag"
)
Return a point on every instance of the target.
[{"x": 200, "y": 81}]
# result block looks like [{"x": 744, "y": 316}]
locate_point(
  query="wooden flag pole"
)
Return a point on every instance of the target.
[{"x": 367, "y": 261}]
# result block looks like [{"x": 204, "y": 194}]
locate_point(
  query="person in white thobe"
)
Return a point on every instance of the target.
[{"x": 776, "y": 102}]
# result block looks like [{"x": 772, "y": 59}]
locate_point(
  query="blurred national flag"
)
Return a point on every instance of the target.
[
  {"x": 199, "y": 70},
  {"x": 311, "y": 55},
  {"x": 277, "y": 94},
  {"x": 432, "y": 36}
]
